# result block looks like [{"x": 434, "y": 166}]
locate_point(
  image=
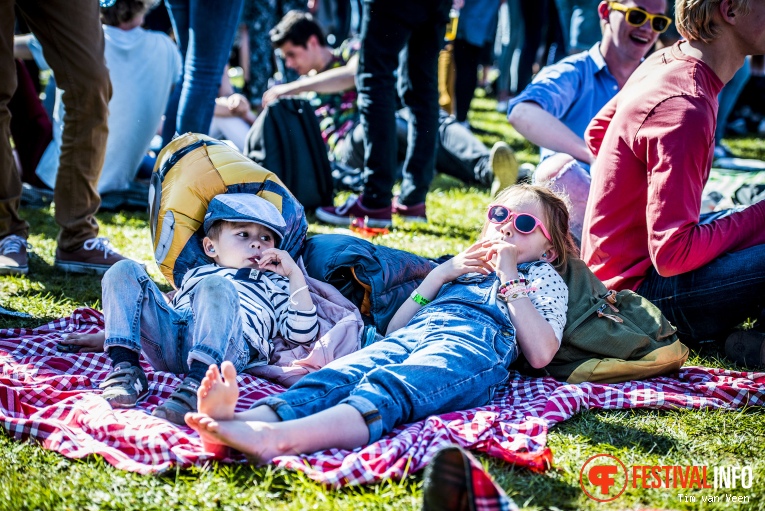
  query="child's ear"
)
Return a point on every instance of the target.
[
  {"x": 549, "y": 255},
  {"x": 209, "y": 248}
]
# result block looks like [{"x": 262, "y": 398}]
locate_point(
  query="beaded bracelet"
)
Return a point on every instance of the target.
[
  {"x": 418, "y": 298},
  {"x": 512, "y": 283},
  {"x": 519, "y": 280},
  {"x": 513, "y": 294}
]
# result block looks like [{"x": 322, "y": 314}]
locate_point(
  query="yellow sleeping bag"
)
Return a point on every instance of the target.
[{"x": 190, "y": 171}]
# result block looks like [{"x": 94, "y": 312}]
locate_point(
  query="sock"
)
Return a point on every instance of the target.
[
  {"x": 197, "y": 370},
  {"x": 120, "y": 354}
]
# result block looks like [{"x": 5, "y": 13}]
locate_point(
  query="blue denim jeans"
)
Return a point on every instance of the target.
[
  {"x": 451, "y": 356},
  {"x": 707, "y": 303},
  {"x": 137, "y": 317},
  {"x": 205, "y": 32}
]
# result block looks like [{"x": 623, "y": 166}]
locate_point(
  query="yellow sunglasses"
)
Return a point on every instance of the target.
[{"x": 636, "y": 17}]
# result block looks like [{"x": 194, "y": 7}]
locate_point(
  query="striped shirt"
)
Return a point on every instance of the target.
[{"x": 264, "y": 304}]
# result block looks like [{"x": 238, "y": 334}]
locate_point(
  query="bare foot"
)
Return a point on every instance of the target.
[
  {"x": 217, "y": 396},
  {"x": 209, "y": 442},
  {"x": 257, "y": 440}
]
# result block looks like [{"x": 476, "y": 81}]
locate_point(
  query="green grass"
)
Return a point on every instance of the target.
[{"x": 32, "y": 478}]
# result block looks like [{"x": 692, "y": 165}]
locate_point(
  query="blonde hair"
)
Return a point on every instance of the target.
[
  {"x": 695, "y": 21},
  {"x": 556, "y": 218}
]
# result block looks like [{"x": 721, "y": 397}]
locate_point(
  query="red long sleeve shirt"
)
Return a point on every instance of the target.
[{"x": 654, "y": 144}]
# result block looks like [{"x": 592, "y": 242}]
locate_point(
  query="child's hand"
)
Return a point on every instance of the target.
[
  {"x": 503, "y": 257},
  {"x": 277, "y": 261},
  {"x": 475, "y": 259}
]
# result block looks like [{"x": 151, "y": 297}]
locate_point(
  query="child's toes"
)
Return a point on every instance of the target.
[
  {"x": 229, "y": 371},
  {"x": 215, "y": 376},
  {"x": 192, "y": 420},
  {"x": 208, "y": 423}
]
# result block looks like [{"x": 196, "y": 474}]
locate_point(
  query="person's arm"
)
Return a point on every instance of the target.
[
  {"x": 471, "y": 260},
  {"x": 675, "y": 141},
  {"x": 297, "y": 320},
  {"x": 535, "y": 335},
  {"x": 234, "y": 105},
  {"x": 331, "y": 81},
  {"x": 537, "y": 111},
  {"x": 545, "y": 130}
]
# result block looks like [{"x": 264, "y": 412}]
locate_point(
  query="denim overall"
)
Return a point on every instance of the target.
[
  {"x": 452, "y": 355},
  {"x": 138, "y": 318}
]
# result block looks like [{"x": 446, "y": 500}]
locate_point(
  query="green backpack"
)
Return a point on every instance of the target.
[{"x": 611, "y": 336}]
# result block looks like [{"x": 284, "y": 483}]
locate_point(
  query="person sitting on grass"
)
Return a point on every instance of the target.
[
  {"x": 554, "y": 110},
  {"x": 229, "y": 310},
  {"x": 655, "y": 145},
  {"x": 446, "y": 349}
]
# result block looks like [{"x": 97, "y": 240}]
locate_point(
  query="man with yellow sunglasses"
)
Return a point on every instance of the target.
[
  {"x": 555, "y": 109},
  {"x": 654, "y": 146},
  {"x": 637, "y": 17}
]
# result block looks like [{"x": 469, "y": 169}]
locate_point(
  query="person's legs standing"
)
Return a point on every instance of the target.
[
  {"x": 179, "y": 17},
  {"x": 31, "y": 127},
  {"x": 533, "y": 13},
  {"x": 73, "y": 42},
  {"x": 13, "y": 230},
  {"x": 466, "y": 57},
  {"x": 384, "y": 35},
  {"x": 212, "y": 26},
  {"x": 418, "y": 87}
]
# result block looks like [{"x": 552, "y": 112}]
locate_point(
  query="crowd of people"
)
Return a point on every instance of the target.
[{"x": 626, "y": 135}]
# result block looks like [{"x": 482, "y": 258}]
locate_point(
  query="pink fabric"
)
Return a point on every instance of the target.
[
  {"x": 54, "y": 398},
  {"x": 654, "y": 143},
  {"x": 340, "y": 327}
]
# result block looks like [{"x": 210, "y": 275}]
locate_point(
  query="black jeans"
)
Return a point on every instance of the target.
[
  {"x": 403, "y": 34},
  {"x": 466, "y": 58},
  {"x": 458, "y": 152}
]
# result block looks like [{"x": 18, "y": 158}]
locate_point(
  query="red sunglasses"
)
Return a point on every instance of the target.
[{"x": 523, "y": 222}]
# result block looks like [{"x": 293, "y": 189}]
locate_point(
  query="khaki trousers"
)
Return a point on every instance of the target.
[{"x": 73, "y": 44}]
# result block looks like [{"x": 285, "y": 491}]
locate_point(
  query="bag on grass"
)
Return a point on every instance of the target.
[
  {"x": 611, "y": 336},
  {"x": 190, "y": 171},
  {"x": 286, "y": 139}
]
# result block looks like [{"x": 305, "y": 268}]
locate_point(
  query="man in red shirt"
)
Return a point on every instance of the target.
[{"x": 654, "y": 146}]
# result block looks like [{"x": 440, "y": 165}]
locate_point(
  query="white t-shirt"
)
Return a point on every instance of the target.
[{"x": 143, "y": 67}]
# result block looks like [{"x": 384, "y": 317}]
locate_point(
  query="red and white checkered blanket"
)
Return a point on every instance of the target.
[{"x": 53, "y": 398}]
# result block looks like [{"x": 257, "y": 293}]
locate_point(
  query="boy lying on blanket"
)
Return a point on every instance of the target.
[
  {"x": 447, "y": 348},
  {"x": 229, "y": 310}
]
